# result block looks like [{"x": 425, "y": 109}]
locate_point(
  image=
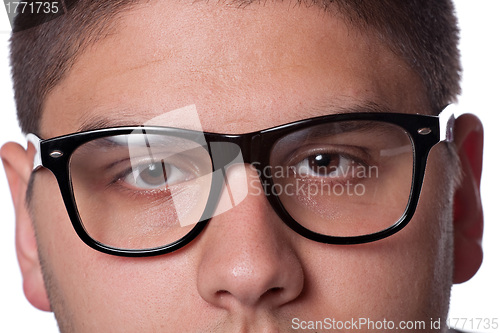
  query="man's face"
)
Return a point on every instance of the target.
[{"x": 245, "y": 69}]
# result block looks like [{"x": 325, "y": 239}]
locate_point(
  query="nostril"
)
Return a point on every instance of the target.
[
  {"x": 275, "y": 290},
  {"x": 221, "y": 293},
  {"x": 272, "y": 292},
  {"x": 272, "y": 295}
]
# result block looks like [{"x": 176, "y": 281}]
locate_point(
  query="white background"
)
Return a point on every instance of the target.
[{"x": 478, "y": 298}]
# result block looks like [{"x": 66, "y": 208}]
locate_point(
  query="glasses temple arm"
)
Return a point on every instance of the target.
[
  {"x": 35, "y": 141},
  {"x": 446, "y": 123}
]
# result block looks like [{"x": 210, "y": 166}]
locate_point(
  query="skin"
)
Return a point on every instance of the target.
[{"x": 247, "y": 271}]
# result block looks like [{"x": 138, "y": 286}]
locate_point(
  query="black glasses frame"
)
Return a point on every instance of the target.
[{"x": 424, "y": 131}]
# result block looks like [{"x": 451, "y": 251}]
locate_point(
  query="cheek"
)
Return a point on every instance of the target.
[
  {"x": 87, "y": 287},
  {"x": 55, "y": 233},
  {"x": 434, "y": 217},
  {"x": 389, "y": 279}
]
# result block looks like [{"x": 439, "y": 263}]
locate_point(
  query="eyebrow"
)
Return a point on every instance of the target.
[
  {"x": 100, "y": 122},
  {"x": 354, "y": 107},
  {"x": 126, "y": 118}
]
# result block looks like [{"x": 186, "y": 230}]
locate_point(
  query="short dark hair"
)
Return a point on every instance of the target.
[{"x": 422, "y": 32}]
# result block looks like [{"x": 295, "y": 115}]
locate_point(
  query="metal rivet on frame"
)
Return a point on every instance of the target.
[
  {"x": 424, "y": 131},
  {"x": 56, "y": 154}
]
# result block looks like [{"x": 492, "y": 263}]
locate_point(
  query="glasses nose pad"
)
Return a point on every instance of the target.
[{"x": 231, "y": 175}]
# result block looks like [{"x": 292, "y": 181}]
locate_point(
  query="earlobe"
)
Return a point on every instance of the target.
[
  {"x": 468, "y": 212},
  {"x": 18, "y": 164}
]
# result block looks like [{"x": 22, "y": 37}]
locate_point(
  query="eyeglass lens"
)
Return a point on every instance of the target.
[
  {"x": 345, "y": 179},
  {"x": 140, "y": 191}
]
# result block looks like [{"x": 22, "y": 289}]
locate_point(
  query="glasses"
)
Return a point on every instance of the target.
[{"x": 339, "y": 179}]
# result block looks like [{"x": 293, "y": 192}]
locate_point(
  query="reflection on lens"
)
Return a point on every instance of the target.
[
  {"x": 140, "y": 191},
  {"x": 344, "y": 179}
]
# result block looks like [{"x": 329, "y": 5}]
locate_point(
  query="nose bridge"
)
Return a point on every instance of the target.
[
  {"x": 225, "y": 149},
  {"x": 229, "y": 159}
]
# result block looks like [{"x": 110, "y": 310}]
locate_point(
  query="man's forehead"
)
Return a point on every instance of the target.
[{"x": 276, "y": 61}]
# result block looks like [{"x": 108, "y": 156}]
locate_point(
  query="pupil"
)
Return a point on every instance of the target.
[
  {"x": 323, "y": 164},
  {"x": 321, "y": 160},
  {"x": 153, "y": 169},
  {"x": 154, "y": 174}
]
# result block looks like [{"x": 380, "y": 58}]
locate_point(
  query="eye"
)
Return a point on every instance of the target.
[
  {"x": 324, "y": 164},
  {"x": 155, "y": 175}
]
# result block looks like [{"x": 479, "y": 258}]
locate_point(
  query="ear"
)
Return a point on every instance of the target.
[
  {"x": 18, "y": 164},
  {"x": 468, "y": 211}
]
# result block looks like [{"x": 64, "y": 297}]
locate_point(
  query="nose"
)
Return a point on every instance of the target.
[{"x": 247, "y": 255}]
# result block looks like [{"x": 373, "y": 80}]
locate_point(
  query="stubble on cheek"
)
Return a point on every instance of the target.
[
  {"x": 45, "y": 207},
  {"x": 436, "y": 208},
  {"x": 62, "y": 312}
]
